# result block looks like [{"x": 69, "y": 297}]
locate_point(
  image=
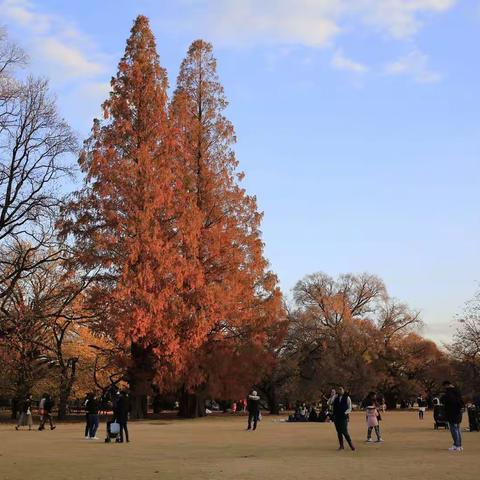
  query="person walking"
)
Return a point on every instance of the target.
[
  {"x": 372, "y": 422},
  {"x": 122, "y": 408},
  {"x": 46, "y": 406},
  {"x": 253, "y": 407},
  {"x": 25, "y": 417},
  {"x": 372, "y": 405},
  {"x": 422, "y": 406},
  {"x": 87, "y": 423},
  {"x": 330, "y": 400},
  {"x": 41, "y": 406},
  {"x": 92, "y": 406},
  {"x": 454, "y": 405},
  {"x": 342, "y": 406}
]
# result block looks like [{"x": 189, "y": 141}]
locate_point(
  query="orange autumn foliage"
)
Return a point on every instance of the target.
[
  {"x": 131, "y": 221},
  {"x": 174, "y": 241},
  {"x": 241, "y": 298}
]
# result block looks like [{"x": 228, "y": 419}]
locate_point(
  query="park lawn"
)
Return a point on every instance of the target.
[{"x": 218, "y": 447}]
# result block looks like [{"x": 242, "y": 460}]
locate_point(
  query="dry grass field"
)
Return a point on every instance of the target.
[{"x": 219, "y": 448}]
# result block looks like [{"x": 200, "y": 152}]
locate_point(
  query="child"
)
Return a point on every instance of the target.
[
  {"x": 421, "y": 407},
  {"x": 372, "y": 423}
]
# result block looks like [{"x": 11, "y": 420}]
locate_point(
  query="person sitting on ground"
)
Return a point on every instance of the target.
[
  {"x": 322, "y": 415},
  {"x": 303, "y": 413}
]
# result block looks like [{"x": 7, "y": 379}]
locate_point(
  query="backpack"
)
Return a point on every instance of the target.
[{"x": 49, "y": 403}]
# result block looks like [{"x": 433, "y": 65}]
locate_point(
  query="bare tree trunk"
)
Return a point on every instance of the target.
[
  {"x": 272, "y": 398},
  {"x": 192, "y": 405},
  {"x": 67, "y": 379},
  {"x": 140, "y": 379},
  {"x": 138, "y": 405}
]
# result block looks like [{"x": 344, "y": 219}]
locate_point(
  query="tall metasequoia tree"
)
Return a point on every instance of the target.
[
  {"x": 133, "y": 223},
  {"x": 240, "y": 297}
]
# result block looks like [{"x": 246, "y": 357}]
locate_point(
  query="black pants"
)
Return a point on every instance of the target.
[
  {"x": 252, "y": 416},
  {"x": 46, "y": 416},
  {"x": 341, "y": 426},
  {"x": 123, "y": 428}
]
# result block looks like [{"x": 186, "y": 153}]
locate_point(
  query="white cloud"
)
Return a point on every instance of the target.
[
  {"x": 414, "y": 65},
  {"x": 63, "y": 50},
  {"x": 283, "y": 21},
  {"x": 314, "y": 23},
  {"x": 399, "y": 18},
  {"x": 341, "y": 62},
  {"x": 311, "y": 23},
  {"x": 70, "y": 58}
]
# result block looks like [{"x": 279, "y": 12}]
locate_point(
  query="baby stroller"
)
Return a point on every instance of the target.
[
  {"x": 113, "y": 431},
  {"x": 439, "y": 417}
]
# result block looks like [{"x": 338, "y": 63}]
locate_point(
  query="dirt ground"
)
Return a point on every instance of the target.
[{"x": 219, "y": 448}]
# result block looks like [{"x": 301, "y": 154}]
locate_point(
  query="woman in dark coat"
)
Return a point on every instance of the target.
[
  {"x": 122, "y": 408},
  {"x": 25, "y": 414}
]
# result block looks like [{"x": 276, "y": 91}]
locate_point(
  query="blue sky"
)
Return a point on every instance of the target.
[{"x": 357, "y": 123}]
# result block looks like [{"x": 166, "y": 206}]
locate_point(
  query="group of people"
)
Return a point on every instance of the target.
[
  {"x": 92, "y": 405},
  {"x": 340, "y": 406},
  {"x": 240, "y": 406},
  {"x": 121, "y": 408},
  {"x": 309, "y": 413},
  {"x": 45, "y": 407}
]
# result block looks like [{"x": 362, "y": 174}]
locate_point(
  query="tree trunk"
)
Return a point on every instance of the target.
[
  {"x": 156, "y": 403},
  {"x": 272, "y": 398},
  {"x": 138, "y": 405},
  {"x": 23, "y": 387},
  {"x": 63, "y": 402},
  {"x": 67, "y": 379},
  {"x": 15, "y": 408},
  {"x": 391, "y": 399},
  {"x": 192, "y": 405},
  {"x": 140, "y": 379}
]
